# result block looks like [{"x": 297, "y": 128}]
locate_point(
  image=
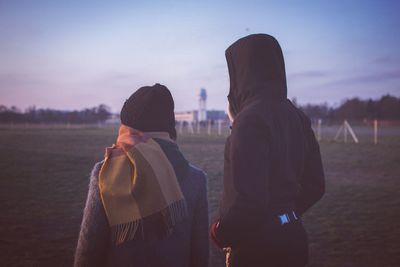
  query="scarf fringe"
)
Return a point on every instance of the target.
[
  {"x": 124, "y": 232},
  {"x": 171, "y": 215}
]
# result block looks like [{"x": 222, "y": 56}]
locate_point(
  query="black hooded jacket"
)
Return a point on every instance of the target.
[{"x": 272, "y": 159}]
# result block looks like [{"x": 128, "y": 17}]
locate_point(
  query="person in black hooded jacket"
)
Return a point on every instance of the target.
[{"x": 273, "y": 171}]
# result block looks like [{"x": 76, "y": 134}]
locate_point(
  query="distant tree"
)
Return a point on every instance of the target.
[
  {"x": 315, "y": 112},
  {"x": 352, "y": 109},
  {"x": 371, "y": 111},
  {"x": 388, "y": 107},
  {"x": 30, "y": 114},
  {"x": 15, "y": 109},
  {"x": 34, "y": 115},
  {"x": 103, "y": 112},
  {"x": 3, "y": 108},
  {"x": 11, "y": 115}
]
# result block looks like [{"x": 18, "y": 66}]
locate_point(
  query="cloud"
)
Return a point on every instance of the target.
[
  {"x": 307, "y": 75},
  {"x": 369, "y": 78},
  {"x": 386, "y": 60},
  {"x": 117, "y": 76},
  {"x": 11, "y": 80}
]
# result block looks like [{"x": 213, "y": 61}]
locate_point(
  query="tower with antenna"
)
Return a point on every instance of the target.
[{"x": 202, "y": 113}]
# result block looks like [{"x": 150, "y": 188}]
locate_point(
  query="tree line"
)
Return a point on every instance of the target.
[
  {"x": 356, "y": 109},
  {"x": 33, "y": 115}
]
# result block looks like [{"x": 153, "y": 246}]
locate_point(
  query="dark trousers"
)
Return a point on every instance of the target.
[{"x": 277, "y": 246}]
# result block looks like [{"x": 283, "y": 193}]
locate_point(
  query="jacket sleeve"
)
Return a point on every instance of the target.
[
  {"x": 200, "y": 242},
  {"x": 312, "y": 180},
  {"x": 94, "y": 233},
  {"x": 249, "y": 159}
]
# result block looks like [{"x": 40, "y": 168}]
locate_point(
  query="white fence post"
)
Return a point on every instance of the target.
[
  {"x": 338, "y": 132},
  {"x": 347, "y": 126},
  {"x": 375, "y": 132},
  {"x": 190, "y": 125},
  {"x": 180, "y": 127},
  {"x": 219, "y": 126}
]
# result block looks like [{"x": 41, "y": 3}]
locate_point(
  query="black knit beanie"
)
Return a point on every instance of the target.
[{"x": 150, "y": 109}]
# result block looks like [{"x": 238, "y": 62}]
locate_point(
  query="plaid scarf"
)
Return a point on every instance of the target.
[{"x": 139, "y": 188}]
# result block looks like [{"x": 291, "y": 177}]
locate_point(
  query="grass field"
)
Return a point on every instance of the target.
[{"x": 44, "y": 179}]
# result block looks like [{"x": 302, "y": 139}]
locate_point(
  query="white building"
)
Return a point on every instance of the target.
[
  {"x": 202, "y": 115},
  {"x": 187, "y": 116}
]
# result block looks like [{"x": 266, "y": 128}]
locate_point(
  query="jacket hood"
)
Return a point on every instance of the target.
[{"x": 256, "y": 70}]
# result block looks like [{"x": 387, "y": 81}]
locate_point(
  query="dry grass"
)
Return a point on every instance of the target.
[{"x": 44, "y": 177}]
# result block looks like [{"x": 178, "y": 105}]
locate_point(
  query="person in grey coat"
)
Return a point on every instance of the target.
[{"x": 150, "y": 109}]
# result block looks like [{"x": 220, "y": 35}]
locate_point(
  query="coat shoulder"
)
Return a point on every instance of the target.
[
  {"x": 196, "y": 180},
  {"x": 196, "y": 170},
  {"x": 196, "y": 173},
  {"x": 94, "y": 174}
]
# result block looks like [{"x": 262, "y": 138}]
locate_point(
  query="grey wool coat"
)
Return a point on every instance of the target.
[{"x": 187, "y": 246}]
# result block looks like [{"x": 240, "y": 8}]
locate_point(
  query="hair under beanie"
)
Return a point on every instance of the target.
[{"x": 150, "y": 109}]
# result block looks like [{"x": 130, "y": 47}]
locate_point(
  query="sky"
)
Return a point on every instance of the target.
[{"x": 76, "y": 54}]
